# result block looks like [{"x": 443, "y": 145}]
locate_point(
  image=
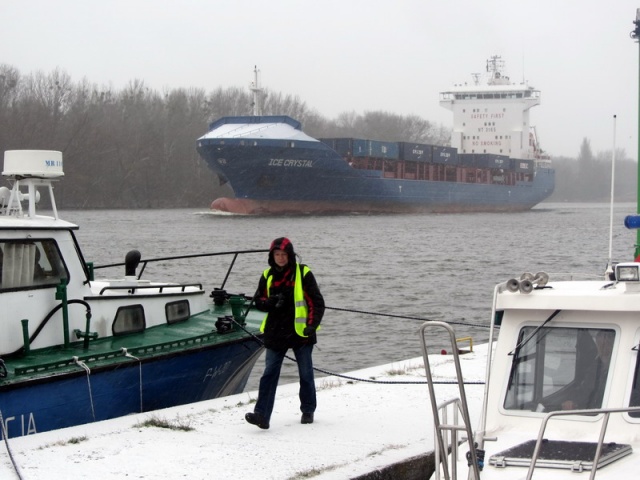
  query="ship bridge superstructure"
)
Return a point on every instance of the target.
[{"x": 493, "y": 117}]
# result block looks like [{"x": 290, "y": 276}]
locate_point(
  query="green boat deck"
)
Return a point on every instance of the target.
[{"x": 197, "y": 331}]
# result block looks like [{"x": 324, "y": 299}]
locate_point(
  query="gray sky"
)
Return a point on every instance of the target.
[{"x": 352, "y": 55}]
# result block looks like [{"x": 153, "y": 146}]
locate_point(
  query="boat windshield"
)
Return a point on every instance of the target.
[{"x": 560, "y": 369}]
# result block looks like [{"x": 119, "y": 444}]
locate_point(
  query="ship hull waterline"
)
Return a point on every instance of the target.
[{"x": 245, "y": 206}]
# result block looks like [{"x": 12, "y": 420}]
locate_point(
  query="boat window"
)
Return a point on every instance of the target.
[
  {"x": 177, "y": 311},
  {"x": 27, "y": 264},
  {"x": 560, "y": 369},
  {"x": 129, "y": 319}
]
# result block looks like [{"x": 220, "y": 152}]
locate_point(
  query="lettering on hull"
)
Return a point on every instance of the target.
[
  {"x": 28, "y": 428},
  {"x": 215, "y": 371},
  {"x": 281, "y": 162}
]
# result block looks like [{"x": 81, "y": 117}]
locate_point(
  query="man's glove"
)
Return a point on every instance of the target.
[
  {"x": 268, "y": 304},
  {"x": 275, "y": 301},
  {"x": 308, "y": 331}
]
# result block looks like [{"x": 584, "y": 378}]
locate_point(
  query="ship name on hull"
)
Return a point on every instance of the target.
[{"x": 282, "y": 162}]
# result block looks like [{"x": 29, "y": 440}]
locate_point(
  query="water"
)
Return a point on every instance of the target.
[{"x": 439, "y": 267}]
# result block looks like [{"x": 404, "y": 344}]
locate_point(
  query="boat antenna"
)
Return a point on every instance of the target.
[
  {"x": 635, "y": 35},
  {"x": 609, "y": 271}
]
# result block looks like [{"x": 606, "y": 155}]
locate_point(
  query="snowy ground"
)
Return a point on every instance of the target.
[{"x": 359, "y": 427}]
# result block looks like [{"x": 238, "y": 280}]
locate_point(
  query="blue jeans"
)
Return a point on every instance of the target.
[{"x": 271, "y": 375}]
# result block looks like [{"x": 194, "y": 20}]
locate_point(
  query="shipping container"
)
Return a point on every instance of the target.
[
  {"x": 493, "y": 161},
  {"x": 466, "y": 159},
  {"x": 342, "y": 146},
  {"x": 415, "y": 152},
  {"x": 383, "y": 149},
  {"x": 522, "y": 166},
  {"x": 331, "y": 142},
  {"x": 361, "y": 148},
  {"x": 444, "y": 155},
  {"x": 347, "y": 147}
]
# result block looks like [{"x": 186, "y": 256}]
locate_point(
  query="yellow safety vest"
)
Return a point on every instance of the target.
[{"x": 302, "y": 311}]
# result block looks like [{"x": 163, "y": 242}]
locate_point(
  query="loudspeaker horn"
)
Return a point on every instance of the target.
[
  {"x": 513, "y": 285},
  {"x": 526, "y": 286}
]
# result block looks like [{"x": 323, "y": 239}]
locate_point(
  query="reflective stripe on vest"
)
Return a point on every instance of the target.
[{"x": 301, "y": 308}]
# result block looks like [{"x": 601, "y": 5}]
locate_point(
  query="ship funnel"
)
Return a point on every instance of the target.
[{"x": 131, "y": 262}]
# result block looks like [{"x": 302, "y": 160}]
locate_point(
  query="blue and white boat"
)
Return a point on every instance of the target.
[
  {"x": 75, "y": 349},
  {"x": 494, "y": 163}
]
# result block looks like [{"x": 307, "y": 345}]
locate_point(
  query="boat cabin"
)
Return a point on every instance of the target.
[
  {"x": 570, "y": 348},
  {"x": 563, "y": 380}
]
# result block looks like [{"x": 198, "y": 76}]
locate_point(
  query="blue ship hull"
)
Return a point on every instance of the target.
[
  {"x": 178, "y": 378},
  {"x": 307, "y": 176}
]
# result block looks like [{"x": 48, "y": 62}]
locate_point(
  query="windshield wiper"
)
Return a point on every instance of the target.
[{"x": 532, "y": 334}]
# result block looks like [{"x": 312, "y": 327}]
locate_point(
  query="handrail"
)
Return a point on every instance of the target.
[
  {"x": 144, "y": 262},
  {"x": 159, "y": 287},
  {"x": 179, "y": 257},
  {"x": 603, "y": 430},
  {"x": 453, "y": 429},
  {"x": 474, "y": 472}
]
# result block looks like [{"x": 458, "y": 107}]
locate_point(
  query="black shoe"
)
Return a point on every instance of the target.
[
  {"x": 307, "y": 418},
  {"x": 257, "y": 419}
]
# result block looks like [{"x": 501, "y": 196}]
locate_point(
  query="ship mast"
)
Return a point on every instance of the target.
[
  {"x": 495, "y": 67},
  {"x": 257, "y": 92}
]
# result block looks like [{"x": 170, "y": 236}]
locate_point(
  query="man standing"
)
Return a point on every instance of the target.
[{"x": 288, "y": 292}]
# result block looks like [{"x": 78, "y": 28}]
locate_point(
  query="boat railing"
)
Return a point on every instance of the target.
[
  {"x": 443, "y": 430},
  {"x": 160, "y": 288},
  {"x": 145, "y": 262},
  {"x": 448, "y": 433},
  {"x": 605, "y": 412}
]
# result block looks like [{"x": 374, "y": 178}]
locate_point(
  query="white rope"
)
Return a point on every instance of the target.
[
  {"x": 127, "y": 354},
  {"x": 88, "y": 370}
]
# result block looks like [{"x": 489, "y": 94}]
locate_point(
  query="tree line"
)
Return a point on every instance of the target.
[
  {"x": 587, "y": 178},
  {"x": 135, "y": 147}
]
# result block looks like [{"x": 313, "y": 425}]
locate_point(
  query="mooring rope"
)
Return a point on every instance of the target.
[
  {"x": 128, "y": 355},
  {"x": 356, "y": 379},
  {"x": 405, "y": 317},
  {"x": 88, "y": 370},
  {"x": 5, "y": 437}
]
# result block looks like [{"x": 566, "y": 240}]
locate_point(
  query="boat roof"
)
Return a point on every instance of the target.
[
  {"x": 280, "y": 127},
  {"x": 577, "y": 295},
  {"x": 495, "y": 81},
  {"x": 507, "y": 88},
  {"x": 35, "y": 223}
]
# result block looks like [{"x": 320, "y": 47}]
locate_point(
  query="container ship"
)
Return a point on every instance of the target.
[{"x": 494, "y": 163}]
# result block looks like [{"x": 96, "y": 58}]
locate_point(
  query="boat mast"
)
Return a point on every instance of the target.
[
  {"x": 256, "y": 91},
  {"x": 635, "y": 34}
]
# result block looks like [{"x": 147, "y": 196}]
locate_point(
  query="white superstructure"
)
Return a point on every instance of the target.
[{"x": 493, "y": 117}]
